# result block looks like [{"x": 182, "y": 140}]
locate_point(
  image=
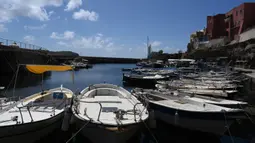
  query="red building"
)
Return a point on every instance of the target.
[
  {"x": 239, "y": 19},
  {"x": 215, "y": 26}
]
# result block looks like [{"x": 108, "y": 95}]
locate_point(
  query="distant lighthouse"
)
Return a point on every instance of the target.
[{"x": 148, "y": 48}]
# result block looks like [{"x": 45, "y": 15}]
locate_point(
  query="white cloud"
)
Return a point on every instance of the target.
[
  {"x": 100, "y": 34},
  {"x": 85, "y": 15},
  {"x": 101, "y": 45},
  {"x": 29, "y": 39},
  {"x": 36, "y": 9},
  {"x": 156, "y": 43},
  {"x": 40, "y": 27},
  {"x": 67, "y": 35},
  {"x": 72, "y": 4},
  {"x": 92, "y": 42},
  {"x": 62, "y": 43},
  {"x": 3, "y": 28},
  {"x": 51, "y": 13}
]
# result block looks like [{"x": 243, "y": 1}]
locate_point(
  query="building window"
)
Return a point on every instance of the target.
[
  {"x": 241, "y": 11},
  {"x": 236, "y": 13}
]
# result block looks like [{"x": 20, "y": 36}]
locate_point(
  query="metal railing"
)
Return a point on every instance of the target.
[
  {"x": 15, "y": 43},
  {"x": 28, "y": 109},
  {"x": 141, "y": 111},
  {"x": 134, "y": 109},
  {"x": 99, "y": 110}
]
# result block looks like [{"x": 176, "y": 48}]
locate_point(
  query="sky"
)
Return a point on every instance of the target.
[{"x": 108, "y": 28}]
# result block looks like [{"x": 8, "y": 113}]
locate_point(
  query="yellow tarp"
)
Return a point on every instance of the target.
[{"x": 39, "y": 69}]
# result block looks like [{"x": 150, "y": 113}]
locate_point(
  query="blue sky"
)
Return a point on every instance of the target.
[{"x": 115, "y": 28}]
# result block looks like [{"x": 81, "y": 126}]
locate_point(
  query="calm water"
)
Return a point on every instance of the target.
[{"x": 109, "y": 73}]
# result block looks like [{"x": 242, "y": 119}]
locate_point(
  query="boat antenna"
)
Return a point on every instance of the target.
[
  {"x": 61, "y": 87},
  {"x": 42, "y": 83}
]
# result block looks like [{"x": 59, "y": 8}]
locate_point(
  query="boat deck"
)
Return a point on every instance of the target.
[
  {"x": 102, "y": 104},
  {"x": 110, "y": 104}
]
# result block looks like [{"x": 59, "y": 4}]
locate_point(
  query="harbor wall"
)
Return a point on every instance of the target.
[{"x": 12, "y": 57}]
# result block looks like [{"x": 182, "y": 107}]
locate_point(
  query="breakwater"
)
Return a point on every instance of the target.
[
  {"x": 61, "y": 57},
  {"x": 13, "y": 54}
]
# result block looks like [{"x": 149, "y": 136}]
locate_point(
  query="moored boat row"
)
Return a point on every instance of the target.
[{"x": 107, "y": 110}]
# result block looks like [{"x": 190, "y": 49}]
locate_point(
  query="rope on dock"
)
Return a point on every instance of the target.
[
  {"x": 228, "y": 127},
  {"x": 150, "y": 132},
  {"x": 77, "y": 132}
]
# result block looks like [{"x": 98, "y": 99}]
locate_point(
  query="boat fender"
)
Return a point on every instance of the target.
[
  {"x": 72, "y": 120},
  {"x": 176, "y": 118},
  {"x": 152, "y": 120},
  {"x": 66, "y": 120}
]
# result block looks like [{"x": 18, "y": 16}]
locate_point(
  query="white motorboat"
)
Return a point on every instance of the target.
[
  {"x": 210, "y": 92},
  {"x": 111, "y": 113},
  {"x": 180, "y": 85},
  {"x": 219, "y": 101},
  {"x": 186, "y": 113},
  {"x": 31, "y": 118},
  {"x": 195, "y": 97},
  {"x": 204, "y": 84}
]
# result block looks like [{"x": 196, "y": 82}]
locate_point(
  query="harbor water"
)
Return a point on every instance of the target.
[{"x": 110, "y": 73}]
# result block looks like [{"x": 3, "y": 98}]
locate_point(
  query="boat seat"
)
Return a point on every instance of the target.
[
  {"x": 109, "y": 109},
  {"x": 58, "y": 95},
  {"x": 119, "y": 102},
  {"x": 103, "y": 92}
]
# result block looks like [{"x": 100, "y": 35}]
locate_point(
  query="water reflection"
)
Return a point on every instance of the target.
[{"x": 100, "y": 73}]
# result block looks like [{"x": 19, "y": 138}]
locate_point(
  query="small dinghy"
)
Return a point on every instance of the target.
[
  {"x": 34, "y": 116},
  {"x": 186, "y": 113},
  {"x": 5, "y": 102},
  {"x": 31, "y": 118},
  {"x": 109, "y": 112}
]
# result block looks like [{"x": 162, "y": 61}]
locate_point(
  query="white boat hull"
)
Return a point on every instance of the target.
[
  {"x": 211, "y": 126},
  {"x": 212, "y": 122},
  {"x": 30, "y": 132},
  {"x": 97, "y": 133}
]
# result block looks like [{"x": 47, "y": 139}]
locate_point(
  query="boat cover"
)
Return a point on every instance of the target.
[{"x": 39, "y": 69}]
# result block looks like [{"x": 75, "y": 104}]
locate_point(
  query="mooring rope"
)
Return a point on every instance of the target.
[
  {"x": 9, "y": 84},
  {"x": 78, "y": 131},
  {"x": 228, "y": 127},
  {"x": 247, "y": 114},
  {"x": 9, "y": 64},
  {"x": 155, "y": 139}
]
